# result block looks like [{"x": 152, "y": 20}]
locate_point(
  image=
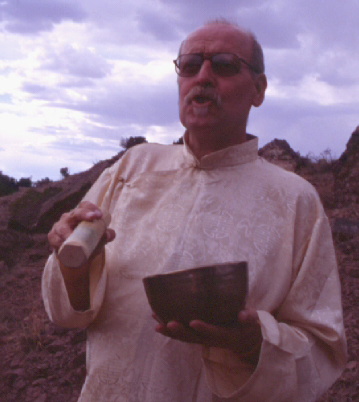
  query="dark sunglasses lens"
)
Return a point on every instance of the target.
[
  {"x": 189, "y": 64},
  {"x": 225, "y": 65}
]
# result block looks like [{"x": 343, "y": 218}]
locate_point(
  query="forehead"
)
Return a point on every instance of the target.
[{"x": 218, "y": 38}]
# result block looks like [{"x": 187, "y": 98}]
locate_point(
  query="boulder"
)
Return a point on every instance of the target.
[
  {"x": 280, "y": 153},
  {"x": 39, "y": 208},
  {"x": 12, "y": 245},
  {"x": 346, "y": 172}
]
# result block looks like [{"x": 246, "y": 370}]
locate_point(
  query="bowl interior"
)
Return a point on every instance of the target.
[{"x": 214, "y": 294}]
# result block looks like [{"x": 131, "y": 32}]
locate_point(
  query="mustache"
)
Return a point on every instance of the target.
[{"x": 206, "y": 92}]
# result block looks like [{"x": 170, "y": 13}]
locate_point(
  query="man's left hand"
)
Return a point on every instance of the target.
[{"x": 245, "y": 339}]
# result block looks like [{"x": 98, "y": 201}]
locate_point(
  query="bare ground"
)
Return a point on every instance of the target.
[{"x": 41, "y": 362}]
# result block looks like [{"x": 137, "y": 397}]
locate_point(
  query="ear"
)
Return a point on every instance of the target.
[{"x": 260, "y": 84}]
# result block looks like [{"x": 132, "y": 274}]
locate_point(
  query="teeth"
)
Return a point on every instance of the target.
[
  {"x": 200, "y": 111},
  {"x": 201, "y": 99}
]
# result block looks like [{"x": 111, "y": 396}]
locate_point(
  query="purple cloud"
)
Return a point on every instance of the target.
[
  {"x": 33, "y": 16},
  {"x": 76, "y": 62}
]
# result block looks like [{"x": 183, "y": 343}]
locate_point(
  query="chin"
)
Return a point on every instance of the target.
[
  {"x": 199, "y": 125},
  {"x": 196, "y": 121}
]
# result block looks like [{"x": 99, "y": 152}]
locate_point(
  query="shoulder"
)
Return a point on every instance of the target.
[
  {"x": 280, "y": 177},
  {"x": 148, "y": 158},
  {"x": 287, "y": 187},
  {"x": 138, "y": 160},
  {"x": 153, "y": 150}
]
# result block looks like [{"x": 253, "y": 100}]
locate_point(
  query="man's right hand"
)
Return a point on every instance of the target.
[
  {"x": 63, "y": 228},
  {"x": 77, "y": 280}
]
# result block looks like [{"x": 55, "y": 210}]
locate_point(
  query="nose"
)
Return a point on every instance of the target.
[{"x": 205, "y": 75}]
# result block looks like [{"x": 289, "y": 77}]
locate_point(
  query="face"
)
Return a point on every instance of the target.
[{"x": 209, "y": 101}]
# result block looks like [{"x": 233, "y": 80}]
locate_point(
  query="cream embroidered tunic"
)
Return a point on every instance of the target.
[{"x": 171, "y": 212}]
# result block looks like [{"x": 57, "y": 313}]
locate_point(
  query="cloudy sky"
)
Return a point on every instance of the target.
[{"x": 78, "y": 75}]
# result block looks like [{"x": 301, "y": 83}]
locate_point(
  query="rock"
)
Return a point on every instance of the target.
[
  {"x": 37, "y": 209},
  {"x": 346, "y": 172},
  {"x": 16, "y": 363},
  {"x": 35, "y": 393},
  {"x": 344, "y": 228},
  {"x": 39, "y": 381},
  {"x": 56, "y": 346},
  {"x": 3, "y": 266},
  {"x": 14, "y": 375},
  {"x": 12, "y": 243},
  {"x": 79, "y": 361},
  {"x": 280, "y": 153},
  {"x": 78, "y": 337}
]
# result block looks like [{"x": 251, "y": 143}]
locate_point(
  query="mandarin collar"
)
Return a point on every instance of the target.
[{"x": 226, "y": 157}]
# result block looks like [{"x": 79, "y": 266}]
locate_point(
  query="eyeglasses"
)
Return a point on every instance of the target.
[{"x": 223, "y": 64}]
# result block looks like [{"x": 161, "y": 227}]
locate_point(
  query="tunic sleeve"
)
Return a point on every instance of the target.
[
  {"x": 56, "y": 300},
  {"x": 304, "y": 346},
  {"x": 54, "y": 293}
]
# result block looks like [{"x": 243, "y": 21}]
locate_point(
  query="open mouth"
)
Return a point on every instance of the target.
[{"x": 200, "y": 99}]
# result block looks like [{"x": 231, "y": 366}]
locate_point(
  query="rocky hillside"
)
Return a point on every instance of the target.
[
  {"x": 347, "y": 173},
  {"x": 41, "y": 362}
]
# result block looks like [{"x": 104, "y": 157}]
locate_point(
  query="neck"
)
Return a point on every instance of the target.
[{"x": 205, "y": 143}]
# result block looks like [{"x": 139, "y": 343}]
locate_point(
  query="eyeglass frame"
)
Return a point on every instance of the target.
[{"x": 209, "y": 56}]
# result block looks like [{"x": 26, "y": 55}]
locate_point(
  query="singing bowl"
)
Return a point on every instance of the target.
[{"x": 214, "y": 294}]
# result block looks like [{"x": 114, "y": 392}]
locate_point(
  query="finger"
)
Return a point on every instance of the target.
[
  {"x": 55, "y": 240},
  {"x": 169, "y": 329},
  {"x": 62, "y": 229},
  {"x": 58, "y": 234},
  {"x": 214, "y": 335},
  {"x": 248, "y": 316},
  {"x": 155, "y": 316},
  {"x": 178, "y": 331},
  {"x": 110, "y": 235},
  {"x": 84, "y": 212},
  {"x": 202, "y": 327},
  {"x": 87, "y": 205}
]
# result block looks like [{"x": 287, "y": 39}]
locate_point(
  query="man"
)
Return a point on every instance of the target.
[{"x": 210, "y": 201}]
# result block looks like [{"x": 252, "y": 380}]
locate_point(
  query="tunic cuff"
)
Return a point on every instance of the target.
[
  {"x": 56, "y": 299},
  {"x": 225, "y": 372},
  {"x": 230, "y": 377}
]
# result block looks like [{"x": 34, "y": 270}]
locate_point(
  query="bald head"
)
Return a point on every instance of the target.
[{"x": 246, "y": 40}]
